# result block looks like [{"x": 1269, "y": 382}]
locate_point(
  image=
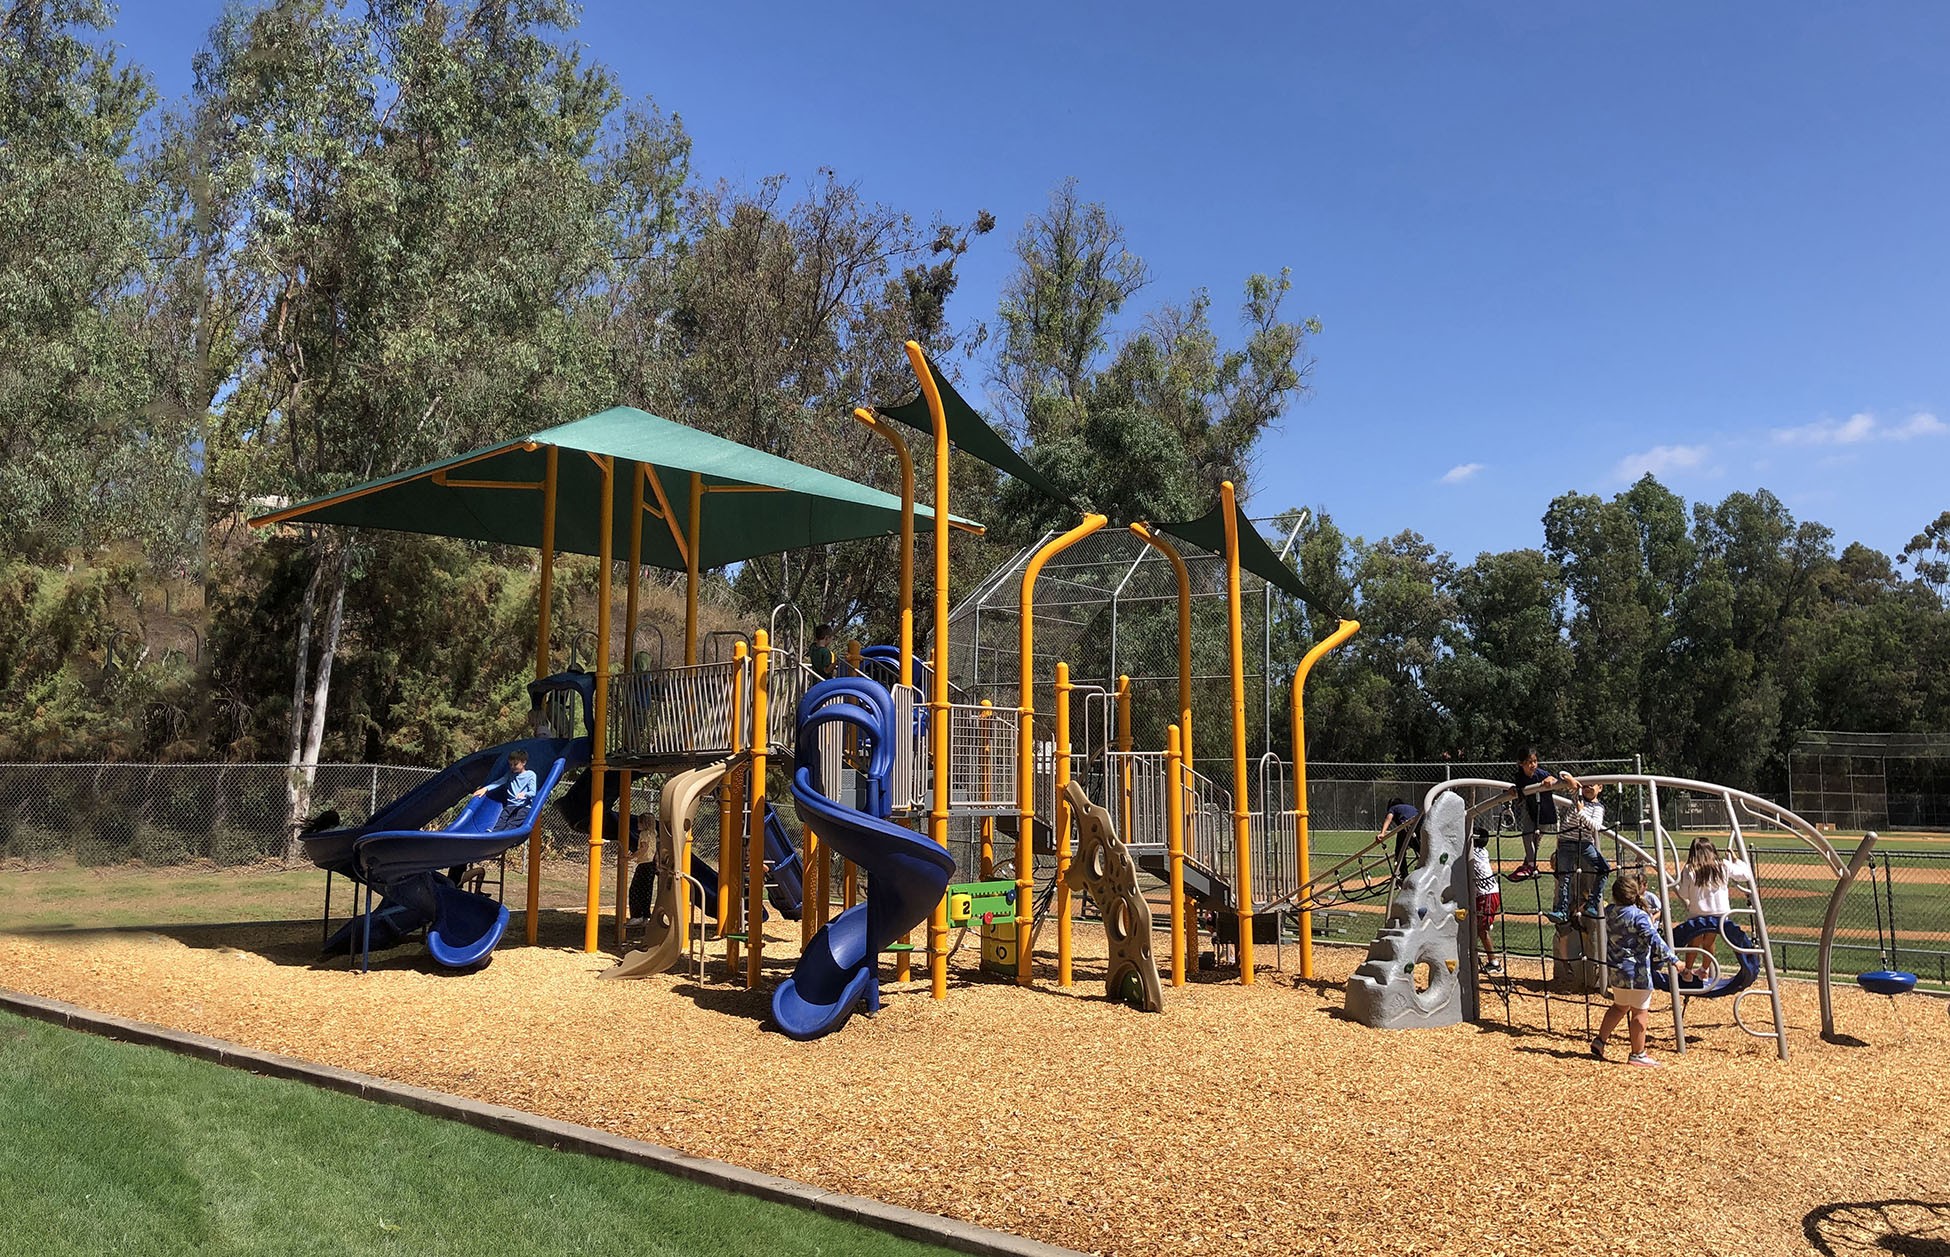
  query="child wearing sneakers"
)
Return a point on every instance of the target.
[
  {"x": 1489, "y": 898},
  {"x": 1539, "y": 809},
  {"x": 1577, "y": 851},
  {"x": 1632, "y": 950}
]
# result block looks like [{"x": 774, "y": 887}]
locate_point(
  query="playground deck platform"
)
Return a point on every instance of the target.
[{"x": 1242, "y": 1120}]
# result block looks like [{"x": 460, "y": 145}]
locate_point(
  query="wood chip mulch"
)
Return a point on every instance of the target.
[{"x": 1240, "y": 1121}]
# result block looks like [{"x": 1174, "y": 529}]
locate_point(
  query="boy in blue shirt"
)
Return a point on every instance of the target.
[{"x": 515, "y": 790}]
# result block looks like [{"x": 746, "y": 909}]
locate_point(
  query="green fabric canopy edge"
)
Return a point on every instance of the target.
[
  {"x": 972, "y": 435},
  {"x": 1208, "y": 531},
  {"x": 632, "y": 435}
]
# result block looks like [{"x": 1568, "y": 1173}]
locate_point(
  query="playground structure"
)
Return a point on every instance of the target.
[
  {"x": 1382, "y": 993},
  {"x": 910, "y": 771}
]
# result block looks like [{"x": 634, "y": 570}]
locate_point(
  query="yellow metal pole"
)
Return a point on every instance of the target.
[
  {"x": 1346, "y": 630},
  {"x": 728, "y": 802},
  {"x": 1184, "y": 576},
  {"x": 593, "y": 902},
  {"x": 938, "y": 681},
  {"x": 1175, "y": 849},
  {"x": 1242, "y": 839},
  {"x": 1181, "y": 923},
  {"x": 1060, "y": 820},
  {"x": 988, "y": 792},
  {"x": 755, "y": 807},
  {"x": 1121, "y": 697},
  {"x": 849, "y": 876},
  {"x": 886, "y": 430},
  {"x": 545, "y": 599},
  {"x": 696, "y": 530},
  {"x": 1026, "y": 741},
  {"x": 629, "y": 665}
]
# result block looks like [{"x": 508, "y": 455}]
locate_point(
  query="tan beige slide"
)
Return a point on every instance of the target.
[
  {"x": 676, "y": 810},
  {"x": 1104, "y": 870}
]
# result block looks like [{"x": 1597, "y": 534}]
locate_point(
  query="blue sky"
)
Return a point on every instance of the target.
[{"x": 1551, "y": 246}]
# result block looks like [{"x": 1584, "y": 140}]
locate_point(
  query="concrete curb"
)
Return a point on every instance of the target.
[{"x": 545, "y": 1132}]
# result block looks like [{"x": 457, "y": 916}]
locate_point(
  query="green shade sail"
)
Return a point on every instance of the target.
[
  {"x": 972, "y": 435},
  {"x": 1255, "y": 556},
  {"x": 751, "y": 503}
]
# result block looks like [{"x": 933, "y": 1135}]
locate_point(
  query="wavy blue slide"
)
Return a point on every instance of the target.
[{"x": 906, "y": 873}]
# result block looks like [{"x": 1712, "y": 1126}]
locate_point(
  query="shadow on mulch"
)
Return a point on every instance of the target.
[{"x": 1911, "y": 1228}]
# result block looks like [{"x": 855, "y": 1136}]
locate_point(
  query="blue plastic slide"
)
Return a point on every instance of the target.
[
  {"x": 407, "y": 864},
  {"x": 906, "y": 873}
]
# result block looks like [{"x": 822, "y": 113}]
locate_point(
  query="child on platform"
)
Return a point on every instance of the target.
[
  {"x": 820, "y": 657},
  {"x": 514, "y": 790},
  {"x": 1489, "y": 898},
  {"x": 1704, "y": 889},
  {"x": 1577, "y": 851},
  {"x": 1539, "y": 809},
  {"x": 1633, "y": 948}
]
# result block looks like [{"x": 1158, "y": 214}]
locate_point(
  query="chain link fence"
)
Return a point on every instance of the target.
[
  {"x": 226, "y": 815},
  {"x": 1355, "y": 796}
]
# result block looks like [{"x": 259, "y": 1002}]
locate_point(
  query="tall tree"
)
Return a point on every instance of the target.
[
  {"x": 423, "y": 221},
  {"x": 95, "y": 445}
]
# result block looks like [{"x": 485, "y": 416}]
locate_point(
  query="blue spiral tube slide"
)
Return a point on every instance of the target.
[{"x": 906, "y": 873}]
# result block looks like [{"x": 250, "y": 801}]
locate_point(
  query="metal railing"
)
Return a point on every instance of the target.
[
  {"x": 982, "y": 758},
  {"x": 1147, "y": 815},
  {"x": 673, "y": 711},
  {"x": 1208, "y": 825}
]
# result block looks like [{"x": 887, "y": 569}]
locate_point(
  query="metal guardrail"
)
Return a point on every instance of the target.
[
  {"x": 982, "y": 758},
  {"x": 672, "y": 711}
]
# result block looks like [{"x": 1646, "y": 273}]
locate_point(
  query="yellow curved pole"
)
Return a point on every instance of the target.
[
  {"x": 1346, "y": 630},
  {"x": 1026, "y": 739},
  {"x": 882, "y": 428},
  {"x": 727, "y": 811},
  {"x": 545, "y": 597},
  {"x": 1184, "y": 577},
  {"x": 1242, "y": 828},
  {"x": 938, "y": 678},
  {"x": 592, "y": 903}
]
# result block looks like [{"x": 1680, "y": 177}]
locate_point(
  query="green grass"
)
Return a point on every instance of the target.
[
  {"x": 64, "y": 895},
  {"x": 115, "y": 1148}
]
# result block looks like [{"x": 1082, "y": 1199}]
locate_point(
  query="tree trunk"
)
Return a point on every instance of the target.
[{"x": 297, "y": 783}]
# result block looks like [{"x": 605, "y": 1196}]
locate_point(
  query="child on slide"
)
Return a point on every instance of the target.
[
  {"x": 514, "y": 790},
  {"x": 1704, "y": 886}
]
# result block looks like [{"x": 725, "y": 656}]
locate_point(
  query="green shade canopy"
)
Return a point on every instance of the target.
[
  {"x": 1255, "y": 556},
  {"x": 972, "y": 435},
  {"x": 751, "y": 503}
]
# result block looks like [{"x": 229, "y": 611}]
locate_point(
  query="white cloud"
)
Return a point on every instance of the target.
[
  {"x": 1660, "y": 460},
  {"x": 1860, "y": 427},
  {"x": 1461, "y": 472},
  {"x": 1922, "y": 423}
]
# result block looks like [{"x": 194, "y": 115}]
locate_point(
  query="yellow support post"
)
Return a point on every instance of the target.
[
  {"x": 1175, "y": 849},
  {"x": 988, "y": 788},
  {"x": 691, "y": 569},
  {"x": 848, "y": 874},
  {"x": 938, "y": 708},
  {"x": 755, "y": 809},
  {"x": 1026, "y": 742},
  {"x": 885, "y": 429},
  {"x": 1121, "y": 699},
  {"x": 593, "y": 903},
  {"x": 1346, "y": 629},
  {"x": 545, "y": 604},
  {"x": 1183, "y": 927},
  {"x": 1060, "y": 821},
  {"x": 629, "y": 665},
  {"x": 1242, "y": 837},
  {"x": 728, "y": 803}
]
